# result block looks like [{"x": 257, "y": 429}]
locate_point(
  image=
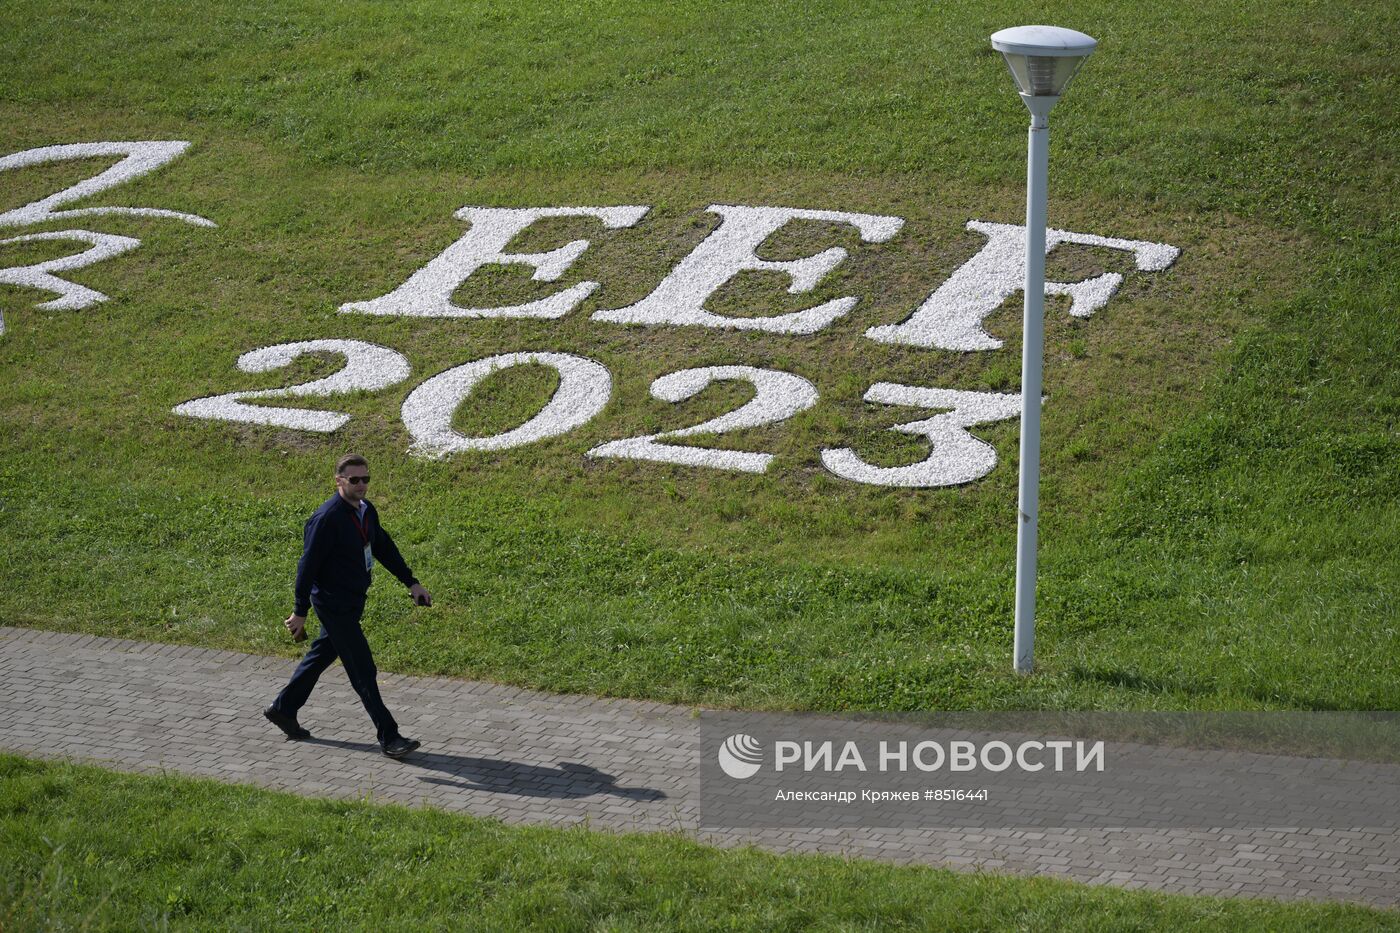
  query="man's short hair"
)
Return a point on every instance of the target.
[{"x": 349, "y": 460}]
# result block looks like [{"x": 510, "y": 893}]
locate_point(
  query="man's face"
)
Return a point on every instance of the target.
[{"x": 353, "y": 483}]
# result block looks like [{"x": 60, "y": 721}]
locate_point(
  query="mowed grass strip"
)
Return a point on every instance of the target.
[
  {"x": 91, "y": 849},
  {"x": 1222, "y": 468}
]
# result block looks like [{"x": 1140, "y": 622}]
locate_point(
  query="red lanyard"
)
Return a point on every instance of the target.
[{"x": 364, "y": 536}]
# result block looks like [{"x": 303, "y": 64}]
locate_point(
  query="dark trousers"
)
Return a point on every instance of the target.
[{"x": 342, "y": 637}]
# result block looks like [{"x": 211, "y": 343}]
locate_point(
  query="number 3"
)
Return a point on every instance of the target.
[
  {"x": 957, "y": 457},
  {"x": 584, "y": 390}
]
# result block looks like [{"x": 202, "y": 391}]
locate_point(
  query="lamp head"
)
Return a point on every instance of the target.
[{"x": 1042, "y": 59}]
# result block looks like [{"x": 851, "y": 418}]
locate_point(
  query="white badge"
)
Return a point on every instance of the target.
[{"x": 369, "y": 558}]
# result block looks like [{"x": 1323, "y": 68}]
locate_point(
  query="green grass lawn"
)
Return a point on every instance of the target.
[
  {"x": 90, "y": 849},
  {"x": 1220, "y": 518}
]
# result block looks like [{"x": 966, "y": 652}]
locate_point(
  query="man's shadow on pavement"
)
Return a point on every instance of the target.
[{"x": 568, "y": 780}]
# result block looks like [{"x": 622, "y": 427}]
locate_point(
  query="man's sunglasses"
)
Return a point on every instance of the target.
[{"x": 355, "y": 480}]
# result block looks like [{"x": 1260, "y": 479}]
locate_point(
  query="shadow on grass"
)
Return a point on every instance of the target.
[{"x": 567, "y": 781}]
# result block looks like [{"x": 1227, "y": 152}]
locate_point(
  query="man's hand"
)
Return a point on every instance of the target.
[
  {"x": 420, "y": 595},
  {"x": 297, "y": 626}
]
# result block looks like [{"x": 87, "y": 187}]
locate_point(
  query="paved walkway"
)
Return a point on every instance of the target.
[{"x": 528, "y": 757}]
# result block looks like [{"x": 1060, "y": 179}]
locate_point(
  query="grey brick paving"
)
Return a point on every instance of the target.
[{"x": 527, "y": 757}]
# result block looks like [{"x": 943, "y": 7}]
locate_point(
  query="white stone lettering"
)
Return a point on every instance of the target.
[
  {"x": 140, "y": 158},
  {"x": 729, "y": 250},
  {"x": 584, "y": 389},
  {"x": 368, "y": 368},
  {"x": 951, "y": 318},
  {"x": 72, "y": 297},
  {"x": 428, "y": 292},
  {"x": 780, "y": 396},
  {"x": 956, "y": 456}
]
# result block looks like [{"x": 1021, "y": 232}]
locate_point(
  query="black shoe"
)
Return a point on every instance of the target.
[
  {"x": 287, "y": 724},
  {"x": 397, "y": 748}
]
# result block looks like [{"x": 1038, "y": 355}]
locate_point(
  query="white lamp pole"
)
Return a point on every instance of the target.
[{"x": 1042, "y": 59}]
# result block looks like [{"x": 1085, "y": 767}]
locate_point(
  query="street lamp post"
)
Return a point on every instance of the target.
[{"x": 1042, "y": 59}]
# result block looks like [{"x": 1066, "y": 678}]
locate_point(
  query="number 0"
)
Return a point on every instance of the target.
[{"x": 584, "y": 388}]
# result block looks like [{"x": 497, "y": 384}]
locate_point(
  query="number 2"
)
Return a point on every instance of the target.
[
  {"x": 585, "y": 387},
  {"x": 780, "y": 396},
  {"x": 368, "y": 368}
]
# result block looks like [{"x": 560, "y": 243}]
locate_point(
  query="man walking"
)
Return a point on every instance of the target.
[{"x": 341, "y": 542}]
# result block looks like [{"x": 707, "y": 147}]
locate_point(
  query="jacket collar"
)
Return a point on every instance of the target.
[{"x": 337, "y": 501}]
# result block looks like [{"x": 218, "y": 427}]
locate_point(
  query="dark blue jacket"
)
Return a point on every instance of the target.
[{"x": 332, "y": 571}]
